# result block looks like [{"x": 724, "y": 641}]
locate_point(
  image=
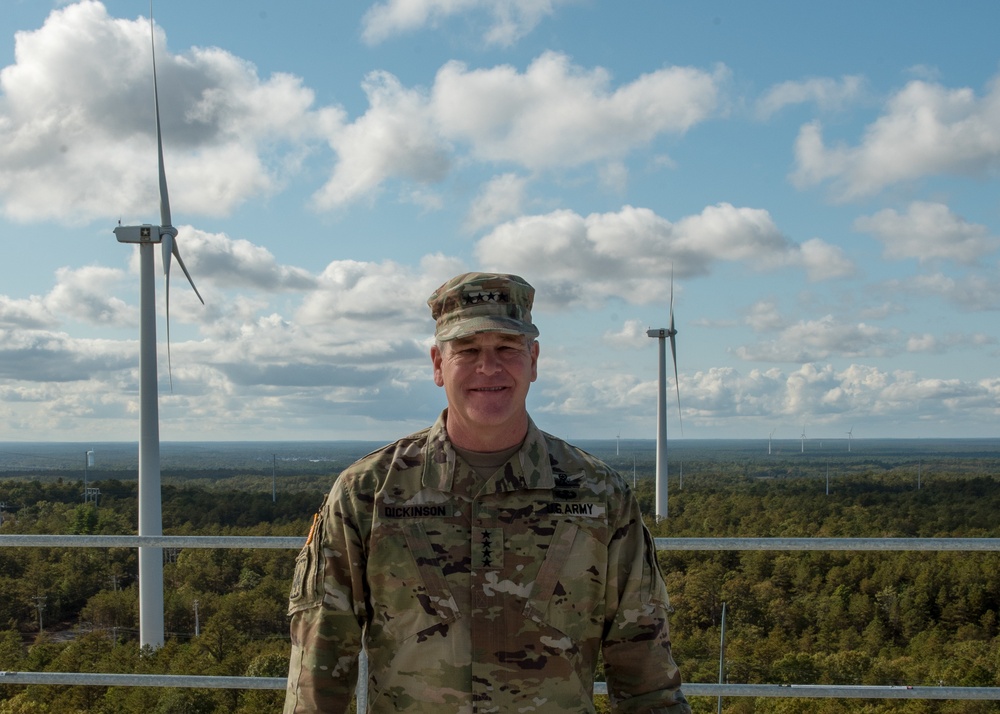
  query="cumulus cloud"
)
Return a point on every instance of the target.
[
  {"x": 975, "y": 292},
  {"x": 508, "y": 20},
  {"x": 29, "y": 313},
  {"x": 928, "y": 231},
  {"x": 502, "y": 198},
  {"x": 559, "y": 114},
  {"x": 632, "y": 253},
  {"x": 814, "y": 340},
  {"x": 47, "y": 356},
  {"x": 396, "y": 137},
  {"x": 926, "y": 129},
  {"x": 632, "y": 335},
  {"x": 377, "y": 298},
  {"x": 828, "y": 94},
  {"x": 553, "y": 115},
  {"x": 229, "y": 262},
  {"x": 77, "y": 137},
  {"x": 82, "y": 294}
]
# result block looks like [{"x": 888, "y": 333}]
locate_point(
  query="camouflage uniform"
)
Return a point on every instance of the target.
[{"x": 476, "y": 595}]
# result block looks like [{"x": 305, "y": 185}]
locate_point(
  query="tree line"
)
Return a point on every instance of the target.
[{"x": 886, "y": 618}]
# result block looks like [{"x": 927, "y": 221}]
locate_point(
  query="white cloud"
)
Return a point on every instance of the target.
[
  {"x": 926, "y": 129},
  {"x": 828, "y": 94},
  {"x": 929, "y": 231},
  {"x": 764, "y": 316},
  {"x": 82, "y": 294},
  {"x": 976, "y": 292},
  {"x": 77, "y": 137},
  {"x": 396, "y": 137},
  {"x": 509, "y": 20},
  {"x": 558, "y": 114},
  {"x": 31, "y": 313},
  {"x": 554, "y": 115},
  {"x": 229, "y": 262},
  {"x": 632, "y": 335},
  {"x": 632, "y": 253},
  {"x": 355, "y": 299},
  {"x": 500, "y": 199},
  {"x": 812, "y": 340}
]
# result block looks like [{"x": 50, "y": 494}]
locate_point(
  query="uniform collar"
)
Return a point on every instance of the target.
[{"x": 528, "y": 468}]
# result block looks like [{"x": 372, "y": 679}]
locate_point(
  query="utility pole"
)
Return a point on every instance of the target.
[
  {"x": 722, "y": 654},
  {"x": 88, "y": 461},
  {"x": 40, "y": 605},
  {"x": 274, "y": 492},
  {"x": 197, "y": 623}
]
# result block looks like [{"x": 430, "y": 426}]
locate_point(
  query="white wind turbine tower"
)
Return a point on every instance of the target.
[
  {"x": 803, "y": 437},
  {"x": 850, "y": 435},
  {"x": 661, "y": 409},
  {"x": 150, "y": 511},
  {"x": 769, "y": 442}
]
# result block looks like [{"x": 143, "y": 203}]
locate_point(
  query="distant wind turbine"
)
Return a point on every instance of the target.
[
  {"x": 850, "y": 435},
  {"x": 661, "y": 410},
  {"x": 150, "y": 510},
  {"x": 803, "y": 438},
  {"x": 769, "y": 441},
  {"x": 618, "y": 443}
]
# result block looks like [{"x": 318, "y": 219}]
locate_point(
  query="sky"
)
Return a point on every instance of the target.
[{"x": 816, "y": 185}]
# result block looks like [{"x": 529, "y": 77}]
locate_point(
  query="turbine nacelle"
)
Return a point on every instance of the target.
[{"x": 145, "y": 233}]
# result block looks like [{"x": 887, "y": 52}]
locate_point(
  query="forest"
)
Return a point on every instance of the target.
[{"x": 818, "y": 617}]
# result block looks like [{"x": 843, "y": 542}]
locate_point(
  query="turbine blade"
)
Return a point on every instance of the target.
[
  {"x": 672, "y": 332},
  {"x": 180, "y": 262},
  {"x": 167, "y": 245},
  {"x": 164, "y": 198},
  {"x": 677, "y": 384}
]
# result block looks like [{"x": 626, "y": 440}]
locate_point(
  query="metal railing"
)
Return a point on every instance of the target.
[{"x": 691, "y": 689}]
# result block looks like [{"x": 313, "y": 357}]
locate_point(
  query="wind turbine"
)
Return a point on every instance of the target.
[
  {"x": 150, "y": 510},
  {"x": 662, "y": 334},
  {"x": 850, "y": 435},
  {"x": 769, "y": 442},
  {"x": 803, "y": 437}
]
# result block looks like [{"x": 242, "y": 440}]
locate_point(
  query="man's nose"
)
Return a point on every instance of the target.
[{"x": 489, "y": 363}]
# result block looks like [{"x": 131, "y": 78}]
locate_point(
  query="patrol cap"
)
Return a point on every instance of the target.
[{"x": 482, "y": 302}]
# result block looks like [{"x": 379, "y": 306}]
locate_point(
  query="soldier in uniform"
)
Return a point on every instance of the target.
[{"x": 483, "y": 564}]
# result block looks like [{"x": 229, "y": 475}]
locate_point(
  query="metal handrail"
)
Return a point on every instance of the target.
[
  {"x": 691, "y": 689},
  {"x": 600, "y": 688},
  {"x": 866, "y": 544},
  {"x": 295, "y": 542},
  {"x": 32, "y": 540}
]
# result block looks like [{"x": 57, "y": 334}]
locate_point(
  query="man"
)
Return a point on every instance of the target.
[{"x": 483, "y": 564}]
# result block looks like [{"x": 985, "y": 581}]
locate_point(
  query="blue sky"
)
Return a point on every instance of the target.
[{"x": 821, "y": 181}]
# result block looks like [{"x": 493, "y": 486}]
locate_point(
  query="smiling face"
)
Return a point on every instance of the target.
[{"x": 486, "y": 379}]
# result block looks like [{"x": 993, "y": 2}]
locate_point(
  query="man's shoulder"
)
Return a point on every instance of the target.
[
  {"x": 404, "y": 453},
  {"x": 569, "y": 458}
]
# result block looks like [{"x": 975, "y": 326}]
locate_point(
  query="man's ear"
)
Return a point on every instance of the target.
[
  {"x": 534, "y": 360},
  {"x": 436, "y": 357}
]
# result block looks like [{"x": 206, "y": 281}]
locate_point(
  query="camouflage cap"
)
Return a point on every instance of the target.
[{"x": 482, "y": 302}]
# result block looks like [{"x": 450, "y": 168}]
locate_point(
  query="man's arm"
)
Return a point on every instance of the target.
[
  {"x": 327, "y": 606},
  {"x": 641, "y": 673}
]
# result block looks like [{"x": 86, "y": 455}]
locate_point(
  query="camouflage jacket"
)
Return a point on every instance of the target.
[{"x": 475, "y": 595}]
